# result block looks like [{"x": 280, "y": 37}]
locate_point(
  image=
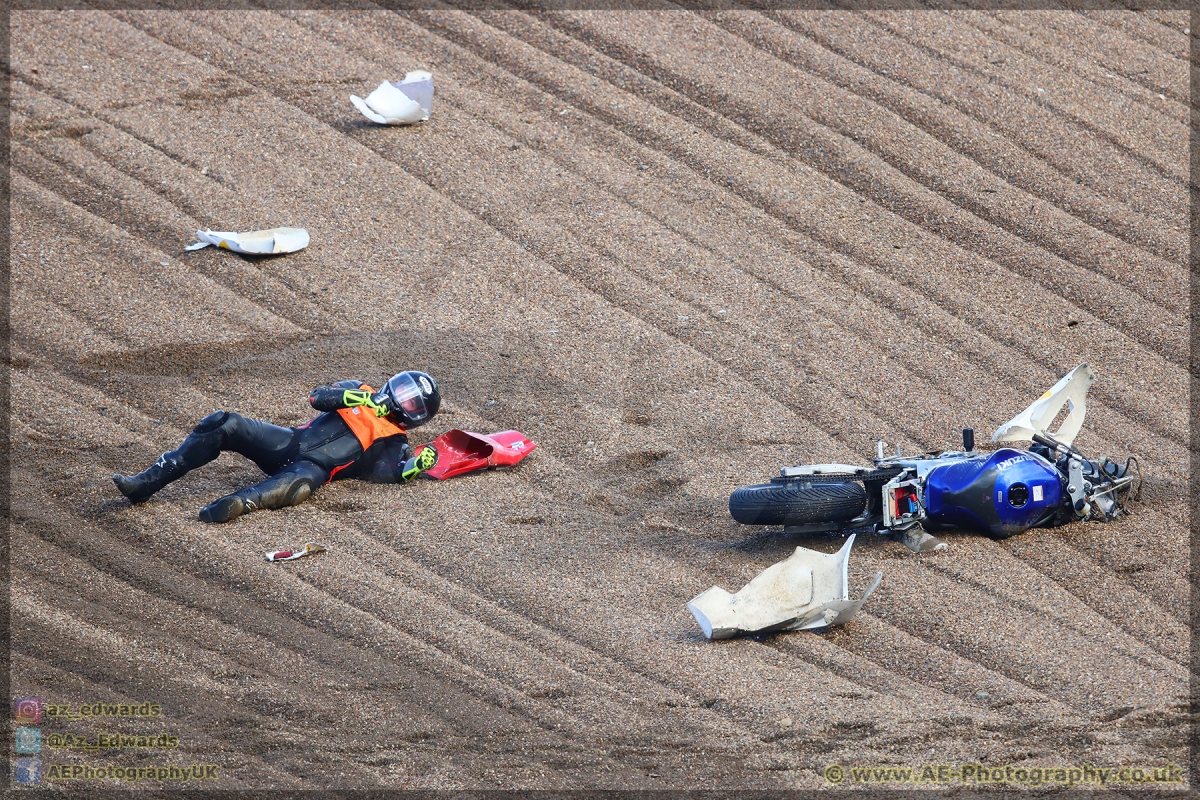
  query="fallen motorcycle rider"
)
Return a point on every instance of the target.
[{"x": 360, "y": 433}]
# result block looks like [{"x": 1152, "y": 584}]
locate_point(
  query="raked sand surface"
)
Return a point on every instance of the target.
[{"x": 679, "y": 251}]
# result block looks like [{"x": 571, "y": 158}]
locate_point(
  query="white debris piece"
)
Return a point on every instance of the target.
[
  {"x": 399, "y": 102},
  {"x": 808, "y": 590},
  {"x": 310, "y": 548},
  {"x": 1071, "y": 391},
  {"x": 254, "y": 243}
]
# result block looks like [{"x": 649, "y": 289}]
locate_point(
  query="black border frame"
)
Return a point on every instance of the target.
[{"x": 6, "y": 8}]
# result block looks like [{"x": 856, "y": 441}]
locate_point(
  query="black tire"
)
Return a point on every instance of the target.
[{"x": 797, "y": 503}]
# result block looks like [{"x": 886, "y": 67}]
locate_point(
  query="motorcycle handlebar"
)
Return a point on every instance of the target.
[
  {"x": 1042, "y": 440},
  {"x": 1055, "y": 446}
]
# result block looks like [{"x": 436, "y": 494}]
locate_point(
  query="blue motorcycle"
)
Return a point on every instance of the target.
[{"x": 999, "y": 493}]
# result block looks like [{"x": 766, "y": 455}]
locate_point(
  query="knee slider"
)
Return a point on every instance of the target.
[
  {"x": 211, "y": 422},
  {"x": 300, "y": 491},
  {"x": 283, "y": 489}
]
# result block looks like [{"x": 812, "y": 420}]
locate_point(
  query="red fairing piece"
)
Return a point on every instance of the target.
[{"x": 466, "y": 451}]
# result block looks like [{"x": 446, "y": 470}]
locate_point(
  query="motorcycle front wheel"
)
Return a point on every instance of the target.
[{"x": 797, "y": 503}]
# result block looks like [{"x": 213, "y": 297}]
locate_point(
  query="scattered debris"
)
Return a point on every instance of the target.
[
  {"x": 254, "y": 243},
  {"x": 292, "y": 555},
  {"x": 806, "y": 591},
  {"x": 466, "y": 451},
  {"x": 917, "y": 539},
  {"x": 399, "y": 102}
]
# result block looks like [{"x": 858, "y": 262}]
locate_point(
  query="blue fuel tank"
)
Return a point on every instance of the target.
[{"x": 1000, "y": 493}]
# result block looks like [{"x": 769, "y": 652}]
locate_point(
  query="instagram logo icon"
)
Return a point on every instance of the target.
[{"x": 27, "y": 709}]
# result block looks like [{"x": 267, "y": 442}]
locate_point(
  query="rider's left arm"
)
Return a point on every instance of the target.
[{"x": 346, "y": 394}]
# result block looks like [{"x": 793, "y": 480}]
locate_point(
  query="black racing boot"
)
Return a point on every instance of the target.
[
  {"x": 226, "y": 509},
  {"x": 201, "y": 446},
  {"x": 169, "y": 467}
]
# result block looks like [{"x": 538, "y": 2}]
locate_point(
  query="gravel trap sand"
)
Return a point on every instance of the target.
[{"x": 679, "y": 251}]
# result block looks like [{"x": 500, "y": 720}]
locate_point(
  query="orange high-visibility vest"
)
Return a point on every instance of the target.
[{"x": 366, "y": 426}]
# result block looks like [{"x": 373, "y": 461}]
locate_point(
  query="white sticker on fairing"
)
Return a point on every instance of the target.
[{"x": 1037, "y": 494}]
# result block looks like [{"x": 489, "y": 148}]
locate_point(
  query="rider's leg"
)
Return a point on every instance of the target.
[
  {"x": 291, "y": 486},
  {"x": 261, "y": 442}
]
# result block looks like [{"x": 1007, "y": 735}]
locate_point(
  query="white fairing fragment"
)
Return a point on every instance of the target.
[
  {"x": 1071, "y": 391},
  {"x": 254, "y": 243},
  {"x": 399, "y": 103},
  {"x": 808, "y": 590}
]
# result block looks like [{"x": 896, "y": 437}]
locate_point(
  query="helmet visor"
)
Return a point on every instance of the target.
[{"x": 405, "y": 392}]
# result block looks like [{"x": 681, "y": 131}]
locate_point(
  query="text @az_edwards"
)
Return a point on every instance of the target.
[
  {"x": 85, "y": 710},
  {"x": 110, "y": 741}
]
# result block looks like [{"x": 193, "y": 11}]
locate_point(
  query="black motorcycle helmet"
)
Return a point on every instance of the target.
[{"x": 413, "y": 397}]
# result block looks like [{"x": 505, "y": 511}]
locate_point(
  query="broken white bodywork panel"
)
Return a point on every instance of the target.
[
  {"x": 399, "y": 102},
  {"x": 807, "y": 590},
  {"x": 254, "y": 243},
  {"x": 1071, "y": 391}
]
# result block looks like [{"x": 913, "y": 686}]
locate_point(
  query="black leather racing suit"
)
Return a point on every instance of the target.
[{"x": 298, "y": 460}]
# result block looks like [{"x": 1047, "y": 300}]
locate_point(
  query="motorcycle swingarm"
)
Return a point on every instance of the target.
[{"x": 867, "y": 520}]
